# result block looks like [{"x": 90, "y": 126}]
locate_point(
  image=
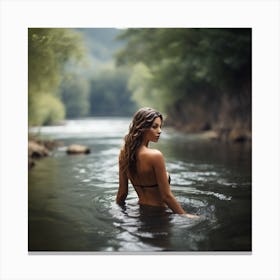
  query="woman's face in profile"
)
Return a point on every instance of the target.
[{"x": 153, "y": 133}]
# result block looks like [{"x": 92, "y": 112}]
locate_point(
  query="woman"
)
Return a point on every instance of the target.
[{"x": 145, "y": 167}]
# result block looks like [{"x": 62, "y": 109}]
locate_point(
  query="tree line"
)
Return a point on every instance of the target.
[
  {"x": 200, "y": 77},
  {"x": 48, "y": 52},
  {"x": 60, "y": 84}
]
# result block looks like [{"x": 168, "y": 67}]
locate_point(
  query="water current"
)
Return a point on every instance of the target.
[{"x": 71, "y": 199}]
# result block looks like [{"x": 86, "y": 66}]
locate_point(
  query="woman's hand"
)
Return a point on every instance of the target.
[{"x": 191, "y": 216}]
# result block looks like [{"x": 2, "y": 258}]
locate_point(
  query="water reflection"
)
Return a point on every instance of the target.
[{"x": 144, "y": 228}]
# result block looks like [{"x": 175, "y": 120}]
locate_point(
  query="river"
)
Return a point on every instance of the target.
[{"x": 71, "y": 198}]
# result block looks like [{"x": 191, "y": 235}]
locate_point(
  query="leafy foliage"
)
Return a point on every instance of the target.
[
  {"x": 190, "y": 72},
  {"x": 75, "y": 96},
  {"x": 109, "y": 94},
  {"x": 49, "y": 50},
  {"x": 49, "y": 109},
  {"x": 140, "y": 84}
]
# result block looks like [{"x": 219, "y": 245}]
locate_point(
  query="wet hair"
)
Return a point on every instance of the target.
[{"x": 142, "y": 120}]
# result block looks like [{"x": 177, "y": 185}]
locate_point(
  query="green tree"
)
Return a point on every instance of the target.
[
  {"x": 109, "y": 94},
  {"x": 49, "y": 51},
  {"x": 75, "y": 96},
  {"x": 48, "y": 110},
  {"x": 141, "y": 85},
  {"x": 194, "y": 74}
]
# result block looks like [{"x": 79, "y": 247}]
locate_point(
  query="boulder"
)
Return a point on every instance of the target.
[
  {"x": 77, "y": 149},
  {"x": 36, "y": 150},
  {"x": 210, "y": 134},
  {"x": 239, "y": 135}
]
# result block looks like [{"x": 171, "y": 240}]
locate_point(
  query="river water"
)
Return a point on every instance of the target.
[{"x": 71, "y": 199}]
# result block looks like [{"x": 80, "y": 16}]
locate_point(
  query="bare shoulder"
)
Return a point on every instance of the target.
[{"x": 155, "y": 155}]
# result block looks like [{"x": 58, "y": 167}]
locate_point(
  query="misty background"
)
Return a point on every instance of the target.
[{"x": 200, "y": 78}]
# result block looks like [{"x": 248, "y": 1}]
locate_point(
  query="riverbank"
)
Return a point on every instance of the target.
[
  {"x": 41, "y": 144},
  {"x": 231, "y": 136},
  {"x": 39, "y": 148},
  {"x": 226, "y": 135}
]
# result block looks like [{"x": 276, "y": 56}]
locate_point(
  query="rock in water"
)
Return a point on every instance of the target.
[
  {"x": 239, "y": 135},
  {"x": 36, "y": 150},
  {"x": 77, "y": 149}
]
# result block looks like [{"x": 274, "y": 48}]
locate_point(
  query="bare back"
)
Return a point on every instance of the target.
[{"x": 145, "y": 181}]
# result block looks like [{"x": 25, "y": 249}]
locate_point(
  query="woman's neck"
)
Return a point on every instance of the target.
[{"x": 145, "y": 143}]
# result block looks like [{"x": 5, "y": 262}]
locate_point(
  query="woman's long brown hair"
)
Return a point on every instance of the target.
[{"x": 142, "y": 120}]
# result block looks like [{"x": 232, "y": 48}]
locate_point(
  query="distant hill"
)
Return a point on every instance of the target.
[{"x": 101, "y": 44}]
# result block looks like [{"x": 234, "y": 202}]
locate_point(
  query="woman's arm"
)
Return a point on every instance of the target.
[
  {"x": 123, "y": 188},
  {"x": 164, "y": 187}
]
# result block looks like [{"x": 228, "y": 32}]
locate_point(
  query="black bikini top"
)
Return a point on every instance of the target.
[{"x": 155, "y": 185}]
